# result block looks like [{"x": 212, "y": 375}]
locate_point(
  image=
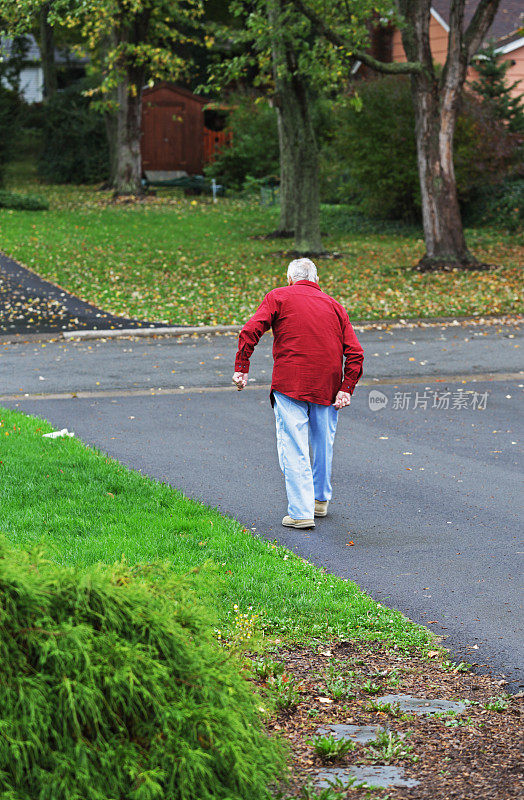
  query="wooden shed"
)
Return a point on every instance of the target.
[{"x": 178, "y": 134}]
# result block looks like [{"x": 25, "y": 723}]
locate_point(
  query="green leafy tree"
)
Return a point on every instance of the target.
[
  {"x": 264, "y": 43},
  {"x": 298, "y": 147},
  {"x": 493, "y": 87},
  {"x": 277, "y": 48},
  {"x": 131, "y": 43},
  {"x": 12, "y": 61},
  {"x": 436, "y": 100}
]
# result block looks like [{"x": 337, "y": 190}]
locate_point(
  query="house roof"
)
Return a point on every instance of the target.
[
  {"x": 508, "y": 25},
  {"x": 175, "y": 89}
]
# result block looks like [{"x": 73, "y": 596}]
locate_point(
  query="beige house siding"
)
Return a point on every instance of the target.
[
  {"x": 438, "y": 41},
  {"x": 397, "y": 51},
  {"x": 516, "y": 71}
]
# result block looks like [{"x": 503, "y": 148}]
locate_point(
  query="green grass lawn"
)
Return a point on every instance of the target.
[
  {"x": 84, "y": 508},
  {"x": 179, "y": 260}
]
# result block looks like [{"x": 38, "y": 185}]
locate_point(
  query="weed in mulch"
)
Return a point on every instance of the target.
[
  {"x": 391, "y": 709},
  {"x": 389, "y": 747},
  {"x": 474, "y": 755},
  {"x": 330, "y": 749}
]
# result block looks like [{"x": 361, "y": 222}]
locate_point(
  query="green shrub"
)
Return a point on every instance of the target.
[
  {"x": 30, "y": 132},
  {"x": 22, "y": 202},
  {"x": 342, "y": 219},
  {"x": 75, "y": 148},
  {"x": 486, "y": 152},
  {"x": 373, "y": 150},
  {"x": 501, "y": 205},
  {"x": 253, "y": 155},
  {"x": 253, "y": 151},
  {"x": 113, "y": 687}
]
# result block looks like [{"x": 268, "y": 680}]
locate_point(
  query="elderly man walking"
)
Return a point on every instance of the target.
[{"x": 312, "y": 336}]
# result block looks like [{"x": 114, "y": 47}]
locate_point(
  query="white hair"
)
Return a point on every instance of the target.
[{"x": 302, "y": 269}]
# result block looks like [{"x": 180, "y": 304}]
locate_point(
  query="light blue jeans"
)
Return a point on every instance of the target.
[{"x": 301, "y": 424}]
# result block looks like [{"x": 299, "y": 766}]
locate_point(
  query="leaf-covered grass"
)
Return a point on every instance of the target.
[
  {"x": 174, "y": 260},
  {"x": 85, "y": 508}
]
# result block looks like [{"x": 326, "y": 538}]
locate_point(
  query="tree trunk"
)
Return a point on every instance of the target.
[
  {"x": 300, "y": 137},
  {"x": 111, "y": 124},
  {"x": 128, "y": 162},
  {"x": 286, "y": 225},
  {"x": 47, "y": 52},
  {"x": 436, "y": 102},
  {"x": 110, "y": 115},
  {"x": 300, "y": 204},
  {"x": 434, "y": 129}
]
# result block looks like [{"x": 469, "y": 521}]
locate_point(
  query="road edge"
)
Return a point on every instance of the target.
[{"x": 202, "y": 330}]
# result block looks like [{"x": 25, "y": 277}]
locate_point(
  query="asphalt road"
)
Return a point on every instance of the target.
[
  {"x": 430, "y": 496},
  {"x": 167, "y": 363}
]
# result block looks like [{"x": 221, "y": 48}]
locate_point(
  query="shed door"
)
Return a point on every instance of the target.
[{"x": 164, "y": 146}]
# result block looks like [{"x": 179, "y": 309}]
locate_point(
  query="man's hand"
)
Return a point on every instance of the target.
[
  {"x": 240, "y": 380},
  {"x": 342, "y": 399}
]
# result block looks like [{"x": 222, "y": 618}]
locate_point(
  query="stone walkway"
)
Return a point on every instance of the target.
[{"x": 378, "y": 776}]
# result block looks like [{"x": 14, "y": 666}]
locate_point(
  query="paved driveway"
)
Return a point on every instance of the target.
[
  {"x": 430, "y": 496},
  {"x": 30, "y": 304}
]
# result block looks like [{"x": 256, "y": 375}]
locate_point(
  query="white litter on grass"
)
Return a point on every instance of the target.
[{"x": 58, "y": 434}]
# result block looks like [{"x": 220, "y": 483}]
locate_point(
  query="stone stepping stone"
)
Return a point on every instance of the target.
[
  {"x": 421, "y": 705},
  {"x": 373, "y": 777},
  {"x": 363, "y": 734}
]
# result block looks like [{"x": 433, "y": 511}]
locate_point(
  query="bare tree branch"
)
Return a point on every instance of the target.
[
  {"x": 415, "y": 32},
  {"x": 479, "y": 25},
  {"x": 395, "y": 68},
  {"x": 455, "y": 66}
]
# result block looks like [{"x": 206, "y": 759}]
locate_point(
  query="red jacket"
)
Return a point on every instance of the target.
[{"x": 312, "y": 333}]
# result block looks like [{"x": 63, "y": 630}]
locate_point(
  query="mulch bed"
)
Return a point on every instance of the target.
[{"x": 476, "y": 755}]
